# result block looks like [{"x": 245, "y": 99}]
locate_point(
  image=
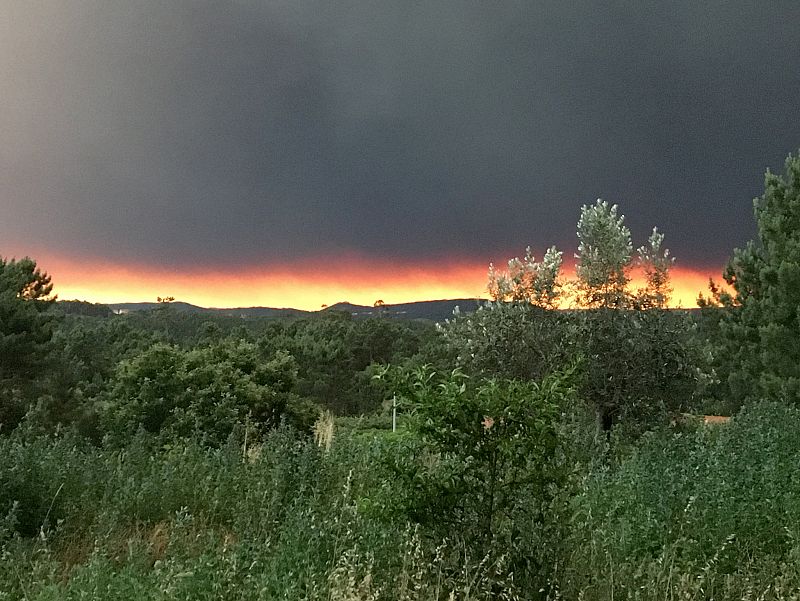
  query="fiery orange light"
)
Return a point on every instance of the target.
[
  {"x": 686, "y": 283},
  {"x": 307, "y": 284},
  {"x": 303, "y": 285}
]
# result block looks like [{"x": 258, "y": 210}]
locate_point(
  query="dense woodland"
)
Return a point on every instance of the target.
[{"x": 541, "y": 452}]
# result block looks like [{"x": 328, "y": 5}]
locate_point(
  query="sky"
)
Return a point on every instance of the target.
[{"x": 299, "y": 153}]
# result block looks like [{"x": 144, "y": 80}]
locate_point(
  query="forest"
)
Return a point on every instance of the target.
[{"x": 549, "y": 445}]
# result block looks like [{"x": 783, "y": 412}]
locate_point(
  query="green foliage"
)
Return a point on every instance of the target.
[
  {"x": 604, "y": 256},
  {"x": 208, "y": 391},
  {"x": 334, "y": 352},
  {"x": 85, "y": 356},
  {"x": 638, "y": 359},
  {"x": 90, "y": 349},
  {"x": 638, "y": 366},
  {"x": 73, "y": 375},
  {"x": 691, "y": 513},
  {"x": 146, "y": 389},
  {"x": 529, "y": 281},
  {"x": 604, "y": 262},
  {"x": 655, "y": 261},
  {"x": 190, "y": 522},
  {"x": 698, "y": 514},
  {"x": 761, "y": 332},
  {"x": 25, "y": 332},
  {"x": 300, "y": 413},
  {"x": 510, "y": 340},
  {"x": 84, "y": 308},
  {"x": 482, "y": 460}
]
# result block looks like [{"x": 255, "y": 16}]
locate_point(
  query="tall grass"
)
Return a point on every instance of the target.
[
  {"x": 698, "y": 513},
  {"x": 293, "y": 521},
  {"x": 708, "y": 513}
]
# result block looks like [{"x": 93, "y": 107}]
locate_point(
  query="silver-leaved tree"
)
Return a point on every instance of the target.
[{"x": 637, "y": 359}]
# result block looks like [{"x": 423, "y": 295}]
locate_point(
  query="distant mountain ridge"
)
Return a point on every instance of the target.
[
  {"x": 189, "y": 308},
  {"x": 434, "y": 310}
]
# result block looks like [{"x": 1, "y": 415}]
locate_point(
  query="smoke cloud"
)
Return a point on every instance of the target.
[{"x": 248, "y": 132}]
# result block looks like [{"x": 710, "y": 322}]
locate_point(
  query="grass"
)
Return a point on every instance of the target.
[
  {"x": 695, "y": 514},
  {"x": 688, "y": 513},
  {"x": 144, "y": 522}
]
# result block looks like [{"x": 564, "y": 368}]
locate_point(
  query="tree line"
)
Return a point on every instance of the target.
[{"x": 636, "y": 357}]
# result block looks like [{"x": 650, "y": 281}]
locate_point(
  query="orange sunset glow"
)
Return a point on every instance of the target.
[{"x": 303, "y": 285}]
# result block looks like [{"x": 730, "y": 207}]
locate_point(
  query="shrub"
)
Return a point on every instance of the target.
[
  {"x": 208, "y": 391},
  {"x": 481, "y": 462},
  {"x": 716, "y": 507}
]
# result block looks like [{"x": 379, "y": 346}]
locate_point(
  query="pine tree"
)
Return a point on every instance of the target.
[
  {"x": 25, "y": 332},
  {"x": 762, "y": 331}
]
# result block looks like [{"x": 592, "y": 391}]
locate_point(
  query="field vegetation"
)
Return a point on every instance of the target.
[{"x": 539, "y": 453}]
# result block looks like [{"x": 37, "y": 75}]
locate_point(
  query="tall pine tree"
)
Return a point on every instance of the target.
[
  {"x": 25, "y": 334},
  {"x": 762, "y": 331}
]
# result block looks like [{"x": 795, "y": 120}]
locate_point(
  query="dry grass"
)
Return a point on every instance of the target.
[{"x": 324, "y": 430}]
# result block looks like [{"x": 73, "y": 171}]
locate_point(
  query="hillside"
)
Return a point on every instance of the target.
[{"x": 434, "y": 310}]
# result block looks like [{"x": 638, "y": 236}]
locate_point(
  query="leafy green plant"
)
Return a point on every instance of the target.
[
  {"x": 639, "y": 367},
  {"x": 480, "y": 461},
  {"x": 26, "y": 329},
  {"x": 209, "y": 391},
  {"x": 703, "y": 512},
  {"x": 510, "y": 340}
]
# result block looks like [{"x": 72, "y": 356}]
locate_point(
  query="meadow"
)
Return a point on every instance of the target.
[{"x": 699, "y": 513}]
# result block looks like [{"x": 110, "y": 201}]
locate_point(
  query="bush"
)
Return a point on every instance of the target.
[
  {"x": 637, "y": 366},
  {"x": 716, "y": 505},
  {"x": 511, "y": 340},
  {"x": 209, "y": 391},
  {"x": 481, "y": 462}
]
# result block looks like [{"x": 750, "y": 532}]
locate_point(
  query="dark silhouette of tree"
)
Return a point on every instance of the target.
[{"x": 25, "y": 333}]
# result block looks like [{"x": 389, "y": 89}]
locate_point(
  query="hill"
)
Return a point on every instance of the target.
[
  {"x": 435, "y": 310},
  {"x": 232, "y": 312}
]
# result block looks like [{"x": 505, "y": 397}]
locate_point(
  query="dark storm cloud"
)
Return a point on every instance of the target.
[{"x": 244, "y": 132}]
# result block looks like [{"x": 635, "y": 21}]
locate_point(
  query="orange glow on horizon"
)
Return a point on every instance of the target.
[
  {"x": 303, "y": 285},
  {"x": 686, "y": 284}
]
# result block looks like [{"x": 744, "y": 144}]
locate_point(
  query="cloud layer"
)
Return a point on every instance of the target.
[{"x": 243, "y": 133}]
